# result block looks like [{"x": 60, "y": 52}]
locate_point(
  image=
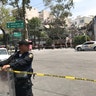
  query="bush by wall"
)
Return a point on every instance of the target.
[{"x": 80, "y": 39}]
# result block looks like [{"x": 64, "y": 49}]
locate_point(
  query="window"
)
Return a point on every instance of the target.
[{"x": 2, "y": 52}]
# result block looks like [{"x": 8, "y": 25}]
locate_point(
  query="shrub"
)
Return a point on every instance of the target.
[
  {"x": 49, "y": 41},
  {"x": 80, "y": 39}
]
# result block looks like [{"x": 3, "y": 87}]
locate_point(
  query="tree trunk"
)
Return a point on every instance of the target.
[{"x": 25, "y": 33}]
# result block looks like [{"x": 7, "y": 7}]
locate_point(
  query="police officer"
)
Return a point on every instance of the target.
[{"x": 21, "y": 61}]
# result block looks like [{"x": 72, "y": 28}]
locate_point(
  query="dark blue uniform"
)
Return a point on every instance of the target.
[{"x": 21, "y": 62}]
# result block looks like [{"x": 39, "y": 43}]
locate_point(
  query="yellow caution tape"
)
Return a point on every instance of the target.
[
  {"x": 52, "y": 75},
  {"x": 70, "y": 77},
  {"x": 39, "y": 74}
]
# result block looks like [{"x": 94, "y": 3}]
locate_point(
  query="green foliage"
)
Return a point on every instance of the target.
[
  {"x": 34, "y": 23},
  {"x": 49, "y": 42},
  {"x": 5, "y": 17},
  {"x": 33, "y": 28},
  {"x": 20, "y": 7},
  {"x": 1, "y": 37},
  {"x": 60, "y": 9},
  {"x": 3, "y": 1},
  {"x": 80, "y": 39},
  {"x": 20, "y": 4},
  {"x": 44, "y": 34},
  {"x": 17, "y": 3},
  {"x": 19, "y": 12}
]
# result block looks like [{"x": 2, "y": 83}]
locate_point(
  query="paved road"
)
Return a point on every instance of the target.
[{"x": 64, "y": 62}]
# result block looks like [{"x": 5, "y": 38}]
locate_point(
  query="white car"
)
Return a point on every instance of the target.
[
  {"x": 88, "y": 45},
  {"x": 4, "y": 54}
]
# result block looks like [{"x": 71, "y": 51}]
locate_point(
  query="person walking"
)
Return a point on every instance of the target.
[{"x": 21, "y": 61}]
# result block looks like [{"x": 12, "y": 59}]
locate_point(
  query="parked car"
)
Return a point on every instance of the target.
[
  {"x": 3, "y": 54},
  {"x": 88, "y": 45}
]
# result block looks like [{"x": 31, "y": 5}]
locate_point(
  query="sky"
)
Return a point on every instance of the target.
[{"x": 81, "y": 7}]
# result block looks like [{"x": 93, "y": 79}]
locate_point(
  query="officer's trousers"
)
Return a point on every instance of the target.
[{"x": 23, "y": 87}]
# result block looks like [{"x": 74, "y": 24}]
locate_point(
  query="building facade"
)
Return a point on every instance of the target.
[
  {"x": 30, "y": 13},
  {"x": 82, "y": 21}
]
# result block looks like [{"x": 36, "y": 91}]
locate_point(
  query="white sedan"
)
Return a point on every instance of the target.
[
  {"x": 4, "y": 54},
  {"x": 88, "y": 45}
]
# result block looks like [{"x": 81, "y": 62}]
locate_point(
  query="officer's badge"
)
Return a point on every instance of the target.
[{"x": 31, "y": 55}]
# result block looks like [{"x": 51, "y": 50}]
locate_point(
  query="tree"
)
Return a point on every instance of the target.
[
  {"x": 3, "y": 1},
  {"x": 33, "y": 28},
  {"x": 60, "y": 9},
  {"x": 24, "y": 4},
  {"x": 18, "y": 4},
  {"x": 4, "y": 18}
]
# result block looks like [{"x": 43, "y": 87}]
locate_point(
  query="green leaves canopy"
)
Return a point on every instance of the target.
[
  {"x": 5, "y": 17},
  {"x": 3, "y": 1},
  {"x": 60, "y": 9},
  {"x": 34, "y": 22}
]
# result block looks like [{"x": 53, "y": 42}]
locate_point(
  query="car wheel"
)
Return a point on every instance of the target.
[
  {"x": 79, "y": 49},
  {"x": 94, "y": 48}
]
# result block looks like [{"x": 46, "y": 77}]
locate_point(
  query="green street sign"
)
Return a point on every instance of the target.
[
  {"x": 17, "y": 24},
  {"x": 17, "y": 34}
]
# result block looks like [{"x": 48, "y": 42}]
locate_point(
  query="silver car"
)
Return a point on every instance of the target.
[{"x": 88, "y": 45}]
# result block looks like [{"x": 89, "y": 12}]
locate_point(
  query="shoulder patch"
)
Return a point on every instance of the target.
[{"x": 30, "y": 55}]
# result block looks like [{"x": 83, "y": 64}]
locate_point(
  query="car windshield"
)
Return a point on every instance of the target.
[{"x": 3, "y": 52}]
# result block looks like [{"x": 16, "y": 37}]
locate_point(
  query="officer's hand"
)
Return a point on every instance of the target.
[{"x": 5, "y": 67}]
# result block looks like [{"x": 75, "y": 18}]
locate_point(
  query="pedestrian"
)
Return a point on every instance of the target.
[{"x": 21, "y": 61}]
